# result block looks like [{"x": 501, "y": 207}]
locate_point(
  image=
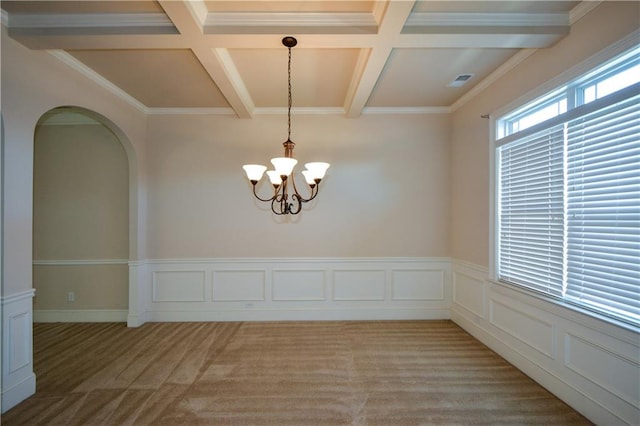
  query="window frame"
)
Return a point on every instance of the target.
[{"x": 571, "y": 82}]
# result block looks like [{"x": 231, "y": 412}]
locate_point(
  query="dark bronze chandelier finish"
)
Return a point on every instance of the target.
[{"x": 282, "y": 201}]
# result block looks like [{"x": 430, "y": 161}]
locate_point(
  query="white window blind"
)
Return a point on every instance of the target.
[
  {"x": 531, "y": 211},
  {"x": 569, "y": 206},
  {"x": 603, "y": 209}
]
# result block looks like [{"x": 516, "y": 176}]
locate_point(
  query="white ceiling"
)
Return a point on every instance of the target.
[{"x": 352, "y": 56}]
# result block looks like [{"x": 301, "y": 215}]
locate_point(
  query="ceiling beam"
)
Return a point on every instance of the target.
[
  {"x": 216, "y": 62},
  {"x": 371, "y": 63}
]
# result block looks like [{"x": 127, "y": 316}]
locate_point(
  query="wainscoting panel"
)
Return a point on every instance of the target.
[
  {"x": 616, "y": 369},
  {"x": 299, "y": 285},
  {"x": 469, "y": 291},
  {"x": 523, "y": 323},
  {"x": 293, "y": 289},
  {"x": 418, "y": 284},
  {"x": 18, "y": 379},
  {"x": 238, "y": 286},
  {"x": 178, "y": 286},
  {"x": 590, "y": 363},
  {"x": 359, "y": 285}
]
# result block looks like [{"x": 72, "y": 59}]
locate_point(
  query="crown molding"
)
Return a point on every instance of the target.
[
  {"x": 501, "y": 19},
  {"x": 89, "y": 20},
  {"x": 582, "y": 9},
  {"x": 300, "y": 111},
  {"x": 279, "y": 19},
  {"x": 97, "y": 78},
  {"x": 407, "y": 110},
  {"x": 191, "y": 111}
]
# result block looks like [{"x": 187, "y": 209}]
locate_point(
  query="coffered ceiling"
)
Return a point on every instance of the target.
[{"x": 352, "y": 56}]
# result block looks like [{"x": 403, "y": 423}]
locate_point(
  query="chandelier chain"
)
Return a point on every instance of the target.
[{"x": 290, "y": 99}]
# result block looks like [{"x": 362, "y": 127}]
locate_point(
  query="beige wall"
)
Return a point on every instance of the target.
[
  {"x": 386, "y": 193},
  {"x": 34, "y": 82},
  {"x": 608, "y": 23},
  {"x": 80, "y": 212}
]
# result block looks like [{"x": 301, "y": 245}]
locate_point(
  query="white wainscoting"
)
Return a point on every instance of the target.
[
  {"x": 591, "y": 364},
  {"x": 18, "y": 378},
  {"x": 292, "y": 289}
]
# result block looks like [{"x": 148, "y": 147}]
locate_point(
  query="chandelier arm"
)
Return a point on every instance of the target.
[
  {"x": 277, "y": 200},
  {"x": 264, "y": 199},
  {"x": 299, "y": 199},
  {"x": 314, "y": 192}
]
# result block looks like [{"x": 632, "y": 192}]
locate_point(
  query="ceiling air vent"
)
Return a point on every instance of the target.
[{"x": 460, "y": 80}]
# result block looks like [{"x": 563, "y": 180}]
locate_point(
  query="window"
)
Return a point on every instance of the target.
[{"x": 568, "y": 193}]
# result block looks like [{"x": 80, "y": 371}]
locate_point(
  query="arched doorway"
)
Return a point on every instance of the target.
[{"x": 81, "y": 215}]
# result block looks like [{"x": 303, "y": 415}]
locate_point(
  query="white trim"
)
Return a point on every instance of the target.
[
  {"x": 253, "y": 297},
  {"x": 90, "y": 20},
  {"x": 296, "y": 260},
  {"x": 97, "y": 78},
  {"x": 78, "y": 262},
  {"x": 18, "y": 392},
  {"x": 198, "y": 10},
  {"x": 313, "y": 110},
  {"x": 16, "y": 297},
  {"x": 300, "y": 111},
  {"x": 191, "y": 111},
  {"x": 300, "y": 314},
  {"x": 80, "y": 315},
  {"x": 4, "y": 18},
  {"x": 278, "y": 19},
  {"x": 18, "y": 379},
  {"x": 620, "y": 46},
  {"x": 489, "y": 19},
  {"x": 581, "y": 10},
  {"x": 407, "y": 110}
]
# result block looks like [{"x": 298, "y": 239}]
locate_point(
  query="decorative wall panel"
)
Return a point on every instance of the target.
[
  {"x": 299, "y": 285},
  {"x": 359, "y": 285},
  {"x": 418, "y": 284},
  {"x": 238, "y": 286},
  {"x": 178, "y": 286}
]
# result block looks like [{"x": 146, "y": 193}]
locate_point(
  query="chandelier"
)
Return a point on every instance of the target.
[{"x": 285, "y": 199}]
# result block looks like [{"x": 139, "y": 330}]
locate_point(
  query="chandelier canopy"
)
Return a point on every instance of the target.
[{"x": 287, "y": 200}]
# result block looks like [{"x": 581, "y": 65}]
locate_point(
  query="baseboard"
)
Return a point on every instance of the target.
[
  {"x": 80, "y": 315},
  {"x": 357, "y": 314},
  {"x": 18, "y": 393}
]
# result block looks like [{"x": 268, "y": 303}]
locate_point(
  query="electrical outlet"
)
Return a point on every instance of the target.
[{"x": 71, "y": 296}]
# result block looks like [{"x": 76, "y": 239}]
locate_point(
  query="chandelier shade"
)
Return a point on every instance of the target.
[
  {"x": 283, "y": 165},
  {"x": 254, "y": 171},
  {"x": 284, "y": 199}
]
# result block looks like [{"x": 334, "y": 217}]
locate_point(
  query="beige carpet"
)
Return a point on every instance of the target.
[{"x": 287, "y": 373}]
